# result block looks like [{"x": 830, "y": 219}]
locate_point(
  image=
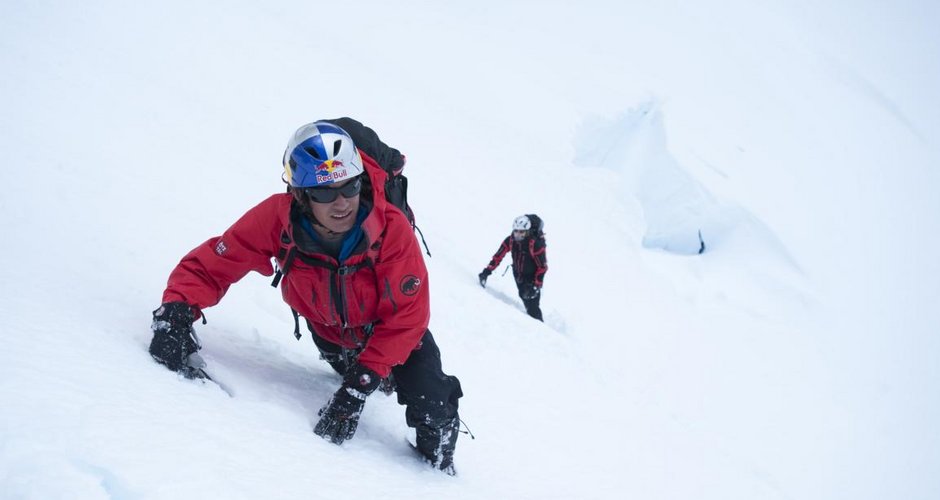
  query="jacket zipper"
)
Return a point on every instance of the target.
[{"x": 341, "y": 273}]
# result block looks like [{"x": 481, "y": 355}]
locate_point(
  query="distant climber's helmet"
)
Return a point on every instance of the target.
[{"x": 520, "y": 227}]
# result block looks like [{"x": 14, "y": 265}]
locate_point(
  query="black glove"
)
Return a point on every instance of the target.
[
  {"x": 340, "y": 417},
  {"x": 483, "y": 275},
  {"x": 174, "y": 338},
  {"x": 530, "y": 292}
]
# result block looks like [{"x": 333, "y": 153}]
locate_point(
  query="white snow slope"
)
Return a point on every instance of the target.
[{"x": 794, "y": 359}]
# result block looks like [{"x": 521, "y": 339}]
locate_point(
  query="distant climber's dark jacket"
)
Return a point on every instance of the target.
[{"x": 529, "y": 261}]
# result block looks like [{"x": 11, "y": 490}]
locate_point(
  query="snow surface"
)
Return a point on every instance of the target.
[{"x": 794, "y": 359}]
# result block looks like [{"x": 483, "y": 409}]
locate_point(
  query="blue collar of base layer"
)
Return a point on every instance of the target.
[{"x": 352, "y": 238}]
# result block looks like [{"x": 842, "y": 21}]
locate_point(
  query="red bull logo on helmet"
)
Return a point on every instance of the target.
[{"x": 331, "y": 171}]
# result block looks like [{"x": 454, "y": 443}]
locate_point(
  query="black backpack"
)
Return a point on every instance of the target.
[
  {"x": 390, "y": 159},
  {"x": 537, "y": 225}
]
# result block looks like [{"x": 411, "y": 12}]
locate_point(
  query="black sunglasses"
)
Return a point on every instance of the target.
[{"x": 329, "y": 195}]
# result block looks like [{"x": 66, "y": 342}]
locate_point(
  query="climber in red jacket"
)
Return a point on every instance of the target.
[{"x": 349, "y": 264}]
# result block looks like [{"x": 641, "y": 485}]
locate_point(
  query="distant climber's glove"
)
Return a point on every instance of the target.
[
  {"x": 174, "y": 339},
  {"x": 530, "y": 292},
  {"x": 340, "y": 417},
  {"x": 483, "y": 275}
]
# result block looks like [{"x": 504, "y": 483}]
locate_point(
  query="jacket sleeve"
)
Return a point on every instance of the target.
[
  {"x": 204, "y": 275},
  {"x": 501, "y": 252},
  {"x": 537, "y": 249},
  {"x": 404, "y": 305}
]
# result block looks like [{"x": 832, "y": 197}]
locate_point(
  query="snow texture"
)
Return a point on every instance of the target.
[{"x": 796, "y": 358}]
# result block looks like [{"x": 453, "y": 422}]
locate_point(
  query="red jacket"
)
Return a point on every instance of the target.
[{"x": 382, "y": 283}]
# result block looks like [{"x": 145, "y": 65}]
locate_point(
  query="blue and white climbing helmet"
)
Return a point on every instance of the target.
[{"x": 320, "y": 154}]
